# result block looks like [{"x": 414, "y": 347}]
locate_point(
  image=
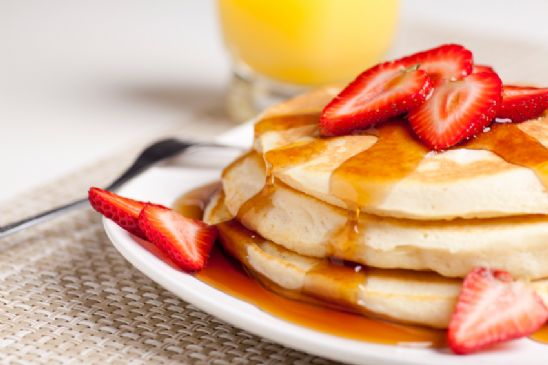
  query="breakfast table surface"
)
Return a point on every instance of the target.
[{"x": 84, "y": 85}]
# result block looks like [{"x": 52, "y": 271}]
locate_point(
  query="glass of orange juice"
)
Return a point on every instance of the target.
[{"x": 281, "y": 47}]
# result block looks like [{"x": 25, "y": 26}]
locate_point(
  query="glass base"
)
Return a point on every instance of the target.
[{"x": 249, "y": 94}]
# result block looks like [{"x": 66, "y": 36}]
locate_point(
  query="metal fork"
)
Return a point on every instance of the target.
[{"x": 155, "y": 152}]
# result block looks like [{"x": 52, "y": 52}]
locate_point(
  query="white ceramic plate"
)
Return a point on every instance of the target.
[{"x": 164, "y": 184}]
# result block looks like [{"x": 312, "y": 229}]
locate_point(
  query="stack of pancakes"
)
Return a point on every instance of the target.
[{"x": 375, "y": 223}]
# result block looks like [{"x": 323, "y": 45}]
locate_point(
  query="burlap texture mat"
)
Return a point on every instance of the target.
[{"x": 67, "y": 296}]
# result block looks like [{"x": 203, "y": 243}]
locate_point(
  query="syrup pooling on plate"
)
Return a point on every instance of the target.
[
  {"x": 228, "y": 276},
  {"x": 508, "y": 141},
  {"x": 306, "y": 307},
  {"x": 225, "y": 275},
  {"x": 541, "y": 335},
  {"x": 192, "y": 203}
]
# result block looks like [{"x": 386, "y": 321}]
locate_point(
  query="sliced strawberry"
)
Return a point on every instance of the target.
[
  {"x": 521, "y": 103},
  {"x": 378, "y": 94},
  {"x": 123, "y": 211},
  {"x": 493, "y": 308},
  {"x": 186, "y": 241},
  {"x": 457, "y": 110},
  {"x": 476, "y": 69},
  {"x": 446, "y": 62}
]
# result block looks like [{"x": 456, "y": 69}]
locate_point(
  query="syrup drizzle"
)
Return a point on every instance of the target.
[
  {"x": 366, "y": 177},
  {"x": 541, "y": 335},
  {"x": 229, "y": 277},
  {"x": 322, "y": 304},
  {"x": 362, "y": 180},
  {"x": 308, "y": 310},
  {"x": 192, "y": 203},
  {"x": 285, "y": 122},
  {"x": 324, "y": 280},
  {"x": 296, "y": 153},
  {"x": 343, "y": 242},
  {"x": 258, "y": 203},
  {"x": 514, "y": 146}
]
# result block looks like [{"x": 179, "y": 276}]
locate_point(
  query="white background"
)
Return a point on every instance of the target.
[{"x": 82, "y": 79}]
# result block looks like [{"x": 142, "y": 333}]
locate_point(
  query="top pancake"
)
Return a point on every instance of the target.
[{"x": 386, "y": 171}]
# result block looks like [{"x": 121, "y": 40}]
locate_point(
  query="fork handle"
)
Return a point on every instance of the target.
[
  {"x": 138, "y": 166},
  {"x": 40, "y": 218}
]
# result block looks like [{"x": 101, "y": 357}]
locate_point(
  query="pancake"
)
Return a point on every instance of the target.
[
  {"x": 386, "y": 171},
  {"x": 309, "y": 226},
  {"x": 405, "y": 296}
]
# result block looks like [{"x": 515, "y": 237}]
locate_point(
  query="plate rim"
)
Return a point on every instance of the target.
[
  {"x": 272, "y": 328},
  {"x": 298, "y": 337}
]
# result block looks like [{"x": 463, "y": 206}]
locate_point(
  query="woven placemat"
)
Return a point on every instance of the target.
[{"x": 67, "y": 296}]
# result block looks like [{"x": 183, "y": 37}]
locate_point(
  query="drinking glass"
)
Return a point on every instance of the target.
[{"x": 282, "y": 47}]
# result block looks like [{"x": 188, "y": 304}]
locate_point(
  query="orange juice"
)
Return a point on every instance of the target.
[{"x": 308, "y": 42}]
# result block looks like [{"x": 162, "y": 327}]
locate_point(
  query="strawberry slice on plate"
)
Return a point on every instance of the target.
[
  {"x": 446, "y": 62},
  {"x": 493, "y": 308},
  {"x": 378, "y": 94},
  {"x": 123, "y": 211},
  {"x": 457, "y": 110},
  {"x": 186, "y": 241},
  {"x": 520, "y": 103}
]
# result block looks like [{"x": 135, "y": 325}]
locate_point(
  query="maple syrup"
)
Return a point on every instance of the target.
[
  {"x": 363, "y": 179},
  {"x": 541, "y": 335},
  {"x": 192, "y": 203},
  {"x": 343, "y": 242},
  {"x": 296, "y": 153},
  {"x": 260, "y": 201},
  {"x": 514, "y": 146},
  {"x": 225, "y": 274},
  {"x": 366, "y": 177},
  {"x": 285, "y": 122}
]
